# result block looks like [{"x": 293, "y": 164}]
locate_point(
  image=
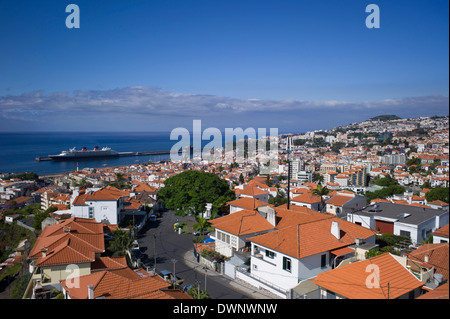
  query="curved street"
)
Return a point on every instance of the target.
[{"x": 159, "y": 241}]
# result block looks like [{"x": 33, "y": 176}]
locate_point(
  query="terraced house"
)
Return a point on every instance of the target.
[
  {"x": 276, "y": 248},
  {"x": 68, "y": 257},
  {"x": 77, "y": 242}
]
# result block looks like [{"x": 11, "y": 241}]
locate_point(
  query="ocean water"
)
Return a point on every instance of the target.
[{"x": 19, "y": 150}]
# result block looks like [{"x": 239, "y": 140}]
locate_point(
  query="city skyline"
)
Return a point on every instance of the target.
[{"x": 150, "y": 66}]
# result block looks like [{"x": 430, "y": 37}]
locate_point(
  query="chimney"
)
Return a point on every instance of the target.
[
  {"x": 66, "y": 229},
  {"x": 91, "y": 292},
  {"x": 426, "y": 258},
  {"x": 44, "y": 252},
  {"x": 335, "y": 230}
]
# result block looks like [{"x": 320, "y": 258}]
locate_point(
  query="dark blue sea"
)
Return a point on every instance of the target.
[{"x": 19, "y": 150}]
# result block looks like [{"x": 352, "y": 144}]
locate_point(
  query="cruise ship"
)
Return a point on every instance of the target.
[{"x": 84, "y": 153}]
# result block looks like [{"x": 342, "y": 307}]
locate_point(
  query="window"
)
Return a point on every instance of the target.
[
  {"x": 270, "y": 254},
  {"x": 223, "y": 237},
  {"x": 323, "y": 261},
  {"x": 405, "y": 233},
  {"x": 331, "y": 294},
  {"x": 358, "y": 223},
  {"x": 286, "y": 264},
  {"x": 91, "y": 212}
]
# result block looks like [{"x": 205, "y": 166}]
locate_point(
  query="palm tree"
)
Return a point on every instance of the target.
[
  {"x": 321, "y": 191},
  {"x": 202, "y": 225},
  {"x": 122, "y": 242}
]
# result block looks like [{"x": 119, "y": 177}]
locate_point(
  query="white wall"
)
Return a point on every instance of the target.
[
  {"x": 105, "y": 210},
  {"x": 439, "y": 239},
  {"x": 366, "y": 221},
  {"x": 314, "y": 206},
  {"x": 102, "y": 210},
  {"x": 234, "y": 209},
  {"x": 261, "y": 197},
  {"x": 271, "y": 269},
  {"x": 80, "y": 211}
]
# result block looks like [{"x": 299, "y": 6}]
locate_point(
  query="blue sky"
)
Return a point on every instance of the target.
[{"x": 154, "y": 65}]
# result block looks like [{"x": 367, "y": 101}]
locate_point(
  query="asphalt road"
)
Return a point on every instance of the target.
[{"x": 159, "y": 241}]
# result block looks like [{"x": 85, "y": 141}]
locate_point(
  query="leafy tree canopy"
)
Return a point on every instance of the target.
[
  {"x": 438, "y": 193},
  {"x": 386, "y": 181},
  {"x": 191, "y": 190}
]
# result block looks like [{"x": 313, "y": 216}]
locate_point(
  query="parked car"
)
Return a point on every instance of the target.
[
  {"x": 136, "y": 253},
  {"x": 108, "y": 237},
  {"x": 187, "y": 288},
  {"x": 168, "y": 276},
  {"x": 197, "y": 233}
]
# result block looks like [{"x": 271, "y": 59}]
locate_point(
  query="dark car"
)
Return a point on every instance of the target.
[{"x": 136, "y": 253}]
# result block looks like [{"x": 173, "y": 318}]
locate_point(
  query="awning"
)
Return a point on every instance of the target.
[{"x": 342, "y": 251}]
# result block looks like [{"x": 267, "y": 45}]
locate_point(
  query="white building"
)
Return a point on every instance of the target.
[
  {"x": 290, "y": 255},
  {"x": 414, "y": 222},
  {"x": 104, "y": 205}
]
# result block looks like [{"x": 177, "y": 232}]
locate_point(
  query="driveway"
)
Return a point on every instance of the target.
[{"x": 159, "y": 241}]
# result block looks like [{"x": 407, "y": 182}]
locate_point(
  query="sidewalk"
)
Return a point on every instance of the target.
[{"x": 237, "y": 284}]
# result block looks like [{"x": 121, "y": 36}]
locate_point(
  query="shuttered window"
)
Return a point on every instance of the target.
[{"x": 286, "y": 264}]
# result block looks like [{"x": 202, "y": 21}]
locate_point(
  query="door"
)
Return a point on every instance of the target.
[{"x": 384, "y": 227}]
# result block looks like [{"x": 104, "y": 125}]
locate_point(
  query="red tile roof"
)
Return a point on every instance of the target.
[
  {"x": 369, "y": 279},
  {"x": 74, "y": 240},
  {"x": 312, "y": 237},
  {"x": 440, "y": 292},
  {"x": 248, "y": 203},
  {"x": 114, "y": 285},
  {"x": 252, "y": 191},
  {"x": 242, "y": 223},
  {"x": 307, "y": 198},
  {"x": 438, "y": 255},
  {"x": 339, "y": 200},
  {"x": 442, "y": 232}
]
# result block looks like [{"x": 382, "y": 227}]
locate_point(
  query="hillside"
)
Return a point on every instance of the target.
[{"x": 385, "y": 117}]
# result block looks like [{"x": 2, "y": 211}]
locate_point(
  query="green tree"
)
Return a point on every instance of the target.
[
  {"x": 278, "y": 200},
  {"x": 386, "y": 181},
  {"x": 321, "y": 191},
  {"x": 385, "y": 192},
  {"x": 191, "y": 190},
  {"x": 438, "y": 193},
  {"x": 337, "y": 147},
  {"x": 122, "y": 242},
  {"x": 194, "y": 293},
  {"x": 201, "y": 225},
  {"x": 318, "y": 178},
  {"x": 413, "y": 161},
  {"x": 268, "y": 181},
  {"x": 41, "y": 215}
]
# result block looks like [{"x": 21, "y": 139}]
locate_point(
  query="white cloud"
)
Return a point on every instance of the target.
[{"x": 151, "y": 101}]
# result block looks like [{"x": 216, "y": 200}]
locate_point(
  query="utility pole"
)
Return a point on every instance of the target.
[
  {"x": 289, "y": 146},
  {"x": 174, "y": 262},
  {"x": 206, "y": 270},
  {"x": 154, "y": 253},
  {"x": 387, "y": 290}
]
